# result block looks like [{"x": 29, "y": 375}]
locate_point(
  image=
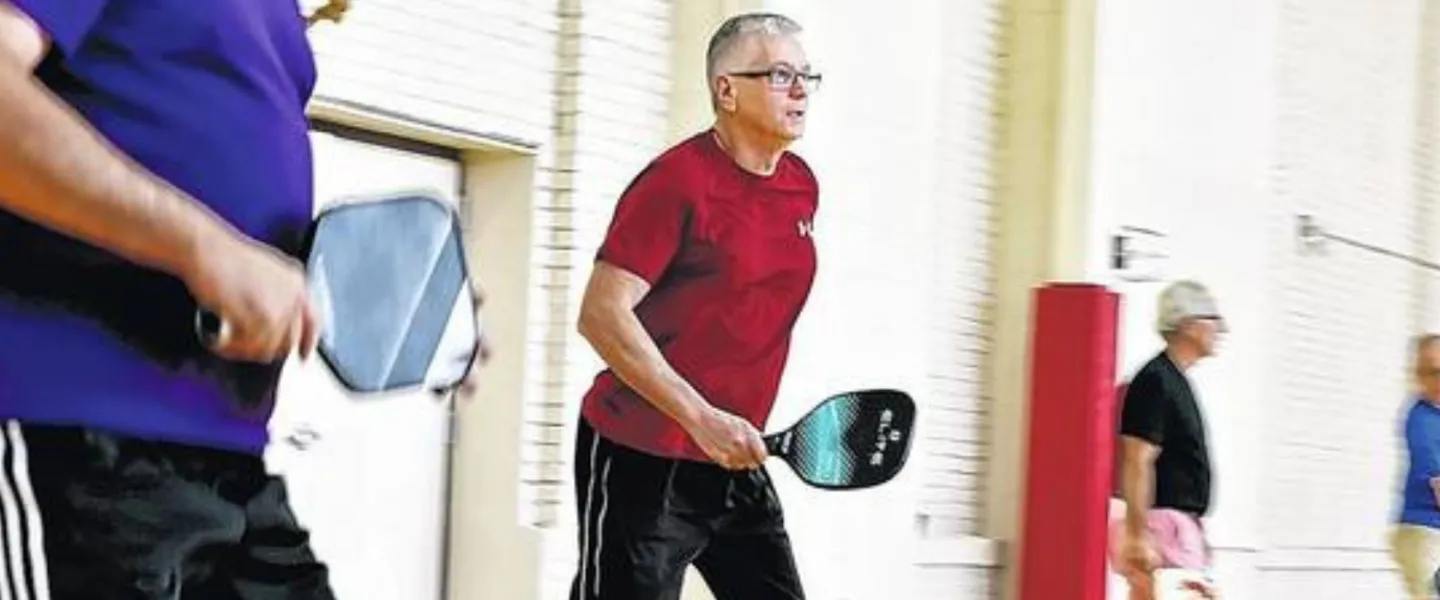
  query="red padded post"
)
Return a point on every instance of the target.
[{"x": 1071, "y": 443}]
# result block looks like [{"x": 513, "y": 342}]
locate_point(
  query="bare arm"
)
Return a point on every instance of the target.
[
  {"x": 59, "y": 173},
  {"x": 1137, "y": 482},
  {"x": 608, "y": 322}
]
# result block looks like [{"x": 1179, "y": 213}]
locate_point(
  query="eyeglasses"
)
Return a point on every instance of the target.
[
  {"x": 1218, "y": 320},
  {"x": 783, "y": 78}
]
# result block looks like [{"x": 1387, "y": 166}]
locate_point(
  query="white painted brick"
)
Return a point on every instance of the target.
[
  {"x": 957, "y": 582},
  {"x": 484, "y": 66},
  {"x": 1347, "y": 137},
  {"x": 1305, "y": 107},
  {"x": 959, "y": 233},
  {"x": 611, "y": 120}
]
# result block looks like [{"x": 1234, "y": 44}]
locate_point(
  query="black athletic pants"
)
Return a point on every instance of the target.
[
  {"x": 644, "y": 519},
  {"x": 94, "y": 516}
]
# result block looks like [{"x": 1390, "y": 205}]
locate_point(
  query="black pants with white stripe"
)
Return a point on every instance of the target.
[
  {"x": 644, "y": 519},
  {"x": 94, "y": 516}
]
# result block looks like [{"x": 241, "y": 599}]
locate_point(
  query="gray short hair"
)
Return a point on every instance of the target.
[
  {"x": 737, "y": 28},
  {"x": 1181, "y": 301}
]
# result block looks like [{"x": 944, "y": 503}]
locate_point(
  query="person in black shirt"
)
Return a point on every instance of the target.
[{"x": 1165, "y": 464}]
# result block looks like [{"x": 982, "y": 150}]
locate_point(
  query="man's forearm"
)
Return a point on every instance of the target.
[
  {"x": 56, "y": 171},
  {"x": 1137, "y": 490},
  {"x": 621, "y": 341}
]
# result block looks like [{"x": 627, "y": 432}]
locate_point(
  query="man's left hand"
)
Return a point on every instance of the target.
[{"x": 471, "y": 383}]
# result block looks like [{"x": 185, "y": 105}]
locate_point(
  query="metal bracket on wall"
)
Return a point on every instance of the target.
[
  {"x": 1134, "y": 248},
  {"x": 1312, "y": 237}
]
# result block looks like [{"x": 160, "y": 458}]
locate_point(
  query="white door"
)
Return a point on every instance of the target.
[{"x": 371, "y": 487}]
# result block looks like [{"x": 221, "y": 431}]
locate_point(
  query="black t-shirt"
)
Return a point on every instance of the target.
[{"x": 1160, "y": 408}]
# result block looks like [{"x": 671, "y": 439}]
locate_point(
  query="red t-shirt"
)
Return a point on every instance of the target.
[{"x": 730, "y": 261}]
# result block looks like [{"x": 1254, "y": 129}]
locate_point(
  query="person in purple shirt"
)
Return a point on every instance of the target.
[{"x": 154, "y": 158}]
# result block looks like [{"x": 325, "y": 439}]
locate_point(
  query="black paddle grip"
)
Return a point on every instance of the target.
[
  {"x": 776, "y": 443},
  {"x": 209, "y": 327}
]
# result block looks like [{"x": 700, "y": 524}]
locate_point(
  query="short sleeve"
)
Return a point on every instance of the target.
[
  {"x": 66, "y": 22},
  {"x": 1422, "y": 436},
  {"x": 648, "y": 227},
  {"x": 1146, "y": 409}
]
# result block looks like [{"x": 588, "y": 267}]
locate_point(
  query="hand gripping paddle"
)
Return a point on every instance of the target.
[
  {"x": 389, "y": 278},
  {"x": 849, "y": 441}
]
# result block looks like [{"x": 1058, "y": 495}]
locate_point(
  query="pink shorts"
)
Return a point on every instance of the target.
[{"x": 1178, "y": 540}]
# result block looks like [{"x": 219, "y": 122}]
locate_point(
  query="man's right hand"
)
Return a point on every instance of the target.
[
  {"x": 259, "y": 293},
  {"x": 1138, "y": 566},
  {"x": 732, "y": 442}
]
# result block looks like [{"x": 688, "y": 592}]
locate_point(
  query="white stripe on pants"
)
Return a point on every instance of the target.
[
  {"x": 594, "y": 523},
  {"x": 23, "y": 570}
]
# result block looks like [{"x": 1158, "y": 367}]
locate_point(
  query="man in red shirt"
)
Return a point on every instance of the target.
[{"x": 697, "y": 286}]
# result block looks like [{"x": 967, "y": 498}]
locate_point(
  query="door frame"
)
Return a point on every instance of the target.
[{"x": 414, "y": 146}]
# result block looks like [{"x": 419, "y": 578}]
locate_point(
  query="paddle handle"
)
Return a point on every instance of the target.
[{"x": 778, "y": 444}]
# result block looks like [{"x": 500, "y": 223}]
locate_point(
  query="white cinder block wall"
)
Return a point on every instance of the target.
[
  {"x": 614, "y": 90},
  {"x": 1218, "y": 127},
  {"x": 1427, "y": 165},
  {"x": 480, "y": 66},
  {"x": 1345, "y": 151}
]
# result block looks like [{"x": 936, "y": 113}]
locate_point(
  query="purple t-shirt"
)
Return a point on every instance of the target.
[{"x": 209, "y": 96}]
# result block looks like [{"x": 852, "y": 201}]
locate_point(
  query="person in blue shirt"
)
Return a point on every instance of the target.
[
  {"x": 1415, "y": 542},
  {"x": 154, "y": 159}
]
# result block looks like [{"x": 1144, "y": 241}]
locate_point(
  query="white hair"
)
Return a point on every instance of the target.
[
  {"x": 737, "y": 28},
  {"x": 1181, "y": 301}
]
